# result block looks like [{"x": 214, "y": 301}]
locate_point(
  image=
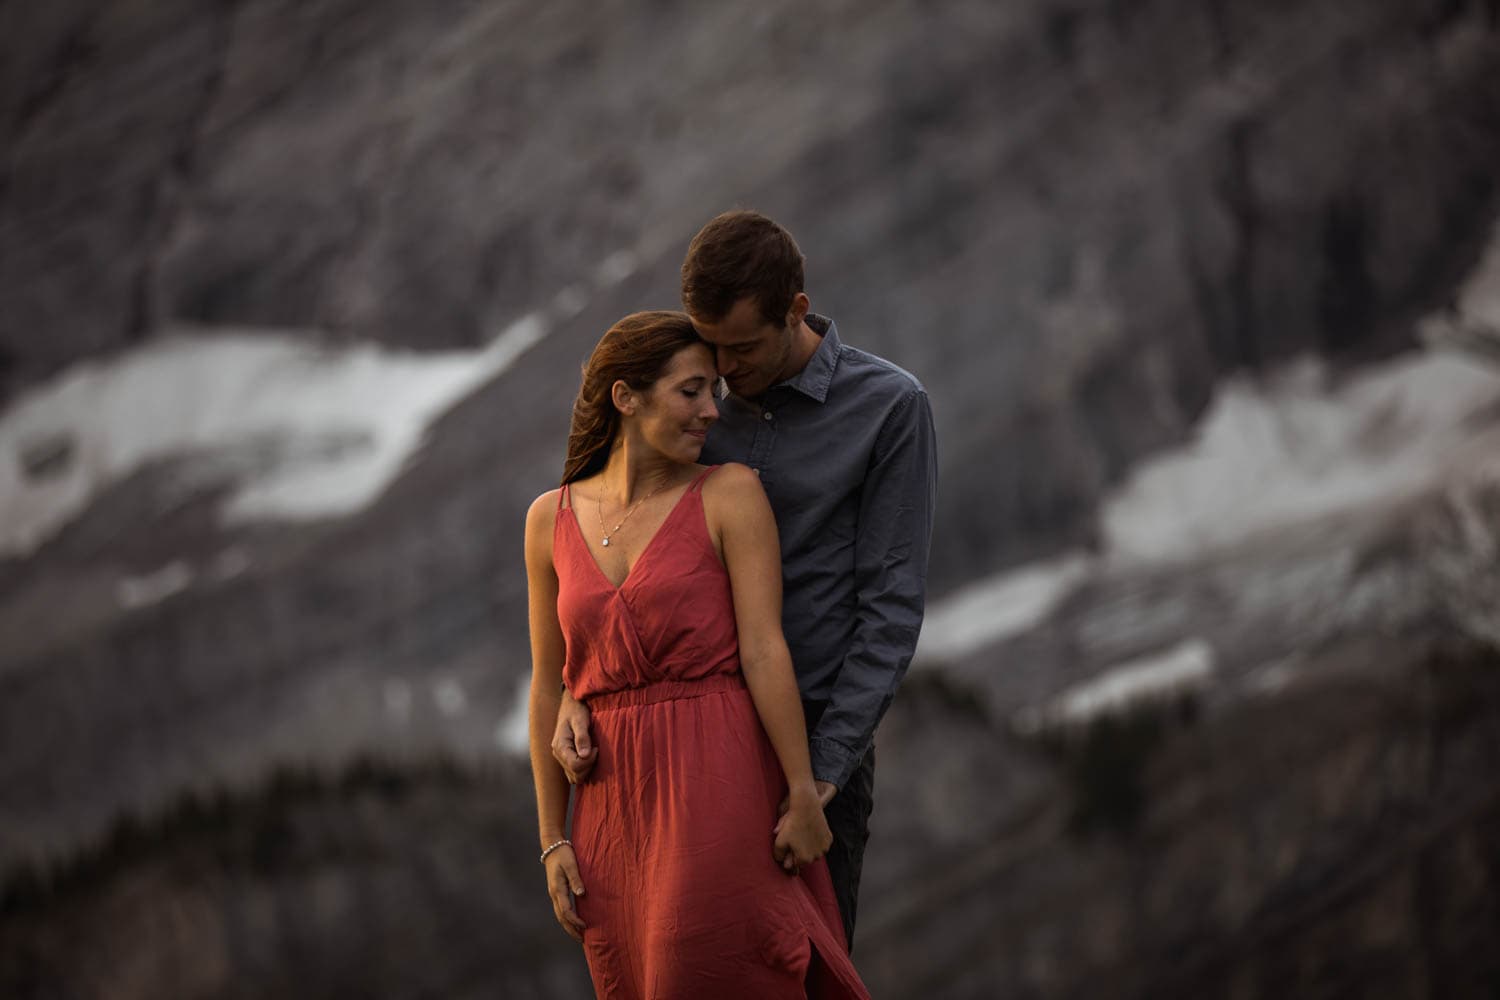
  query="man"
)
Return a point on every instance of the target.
[{"x": 843, "y": 443}]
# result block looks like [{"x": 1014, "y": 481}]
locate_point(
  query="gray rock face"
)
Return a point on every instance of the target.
[{"x": 1072, "y": 222}]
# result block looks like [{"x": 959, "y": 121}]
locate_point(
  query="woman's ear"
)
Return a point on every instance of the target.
[{"x": 623, "y": 397}]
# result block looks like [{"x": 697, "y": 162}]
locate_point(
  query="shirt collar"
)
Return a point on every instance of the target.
[{"x": 815, "y": 378}]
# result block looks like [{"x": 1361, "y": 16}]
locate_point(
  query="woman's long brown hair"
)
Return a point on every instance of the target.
[{"x": 635, "y": 350}]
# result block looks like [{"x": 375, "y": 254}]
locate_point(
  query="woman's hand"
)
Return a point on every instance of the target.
[
  {"x": 564, "y": 883},
  {"x": 802, "y": 834}
]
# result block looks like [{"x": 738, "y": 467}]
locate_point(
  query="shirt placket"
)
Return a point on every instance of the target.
[{"x": 763, "y": 442}]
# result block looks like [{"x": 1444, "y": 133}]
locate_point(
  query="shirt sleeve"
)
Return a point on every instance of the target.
[{"x": 890, "y": 567}]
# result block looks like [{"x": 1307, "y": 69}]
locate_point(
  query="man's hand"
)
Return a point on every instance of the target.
[
  {"x": 571, "y": 745},
  {"x": 826, "y": 791}
]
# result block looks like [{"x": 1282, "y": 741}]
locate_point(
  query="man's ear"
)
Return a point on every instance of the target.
[
  {"x": 624, "y": 397},
  {"x": 800, "y": 306}
]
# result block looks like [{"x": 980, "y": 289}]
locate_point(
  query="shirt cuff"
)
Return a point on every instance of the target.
[{"x": 832, "y": 761}]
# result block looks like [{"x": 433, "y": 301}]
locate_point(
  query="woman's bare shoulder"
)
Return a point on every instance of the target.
[
  {"x": 733, "y": 485},
  {"x": 543, "y": 511},
  {"x": 732, "y": 477}
]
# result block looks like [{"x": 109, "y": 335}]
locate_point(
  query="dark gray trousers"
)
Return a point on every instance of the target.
[{"x": 849, "y": 819}]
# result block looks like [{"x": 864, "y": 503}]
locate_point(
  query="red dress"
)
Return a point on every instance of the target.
[{"x": 673, "y": 831}]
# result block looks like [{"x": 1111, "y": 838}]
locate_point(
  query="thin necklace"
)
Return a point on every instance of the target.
[{"x": 599, "y": 509}]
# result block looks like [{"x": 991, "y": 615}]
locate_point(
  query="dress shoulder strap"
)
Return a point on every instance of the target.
[
  {"x": 564, "y": 498},
  {"x": 696, "y": 486}
]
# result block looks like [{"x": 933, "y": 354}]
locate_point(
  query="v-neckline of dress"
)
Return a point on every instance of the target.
[{"x": 630, "y": 573}]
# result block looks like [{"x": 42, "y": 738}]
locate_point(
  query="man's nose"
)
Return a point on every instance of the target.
[{"x": 721, "y": 361}]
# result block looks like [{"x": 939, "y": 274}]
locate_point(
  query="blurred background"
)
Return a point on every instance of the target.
[{"x": 293, "y": 297}]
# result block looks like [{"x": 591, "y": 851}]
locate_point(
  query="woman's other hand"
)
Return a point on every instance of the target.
[
  {"x": 563, "y": 884},
  {"x": 571, "y": 745}
]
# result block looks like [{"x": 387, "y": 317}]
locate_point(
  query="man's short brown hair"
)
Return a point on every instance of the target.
[{"x": 737, "y": 254}]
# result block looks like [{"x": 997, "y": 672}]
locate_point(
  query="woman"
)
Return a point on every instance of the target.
[{"x": 655, "y": 595}]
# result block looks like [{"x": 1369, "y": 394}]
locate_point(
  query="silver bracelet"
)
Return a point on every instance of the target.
[{"x": 552, "y": 847}]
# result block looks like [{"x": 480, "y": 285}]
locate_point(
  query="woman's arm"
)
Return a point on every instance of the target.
[
  {"x": 547, "y": 653},
  {"x": 740, "y": 517}
]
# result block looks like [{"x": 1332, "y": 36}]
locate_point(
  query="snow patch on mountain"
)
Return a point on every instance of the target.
[{"x": 303, "y": 431}]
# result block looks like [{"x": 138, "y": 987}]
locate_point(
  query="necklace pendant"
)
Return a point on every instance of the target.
[{"x": 605, "y": 543}]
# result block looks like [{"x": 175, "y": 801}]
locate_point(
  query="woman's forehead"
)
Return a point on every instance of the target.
[{"x": 690, "y": 361}]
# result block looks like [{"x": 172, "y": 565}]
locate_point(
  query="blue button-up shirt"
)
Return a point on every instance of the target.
[{"x": 846, "y": 453}]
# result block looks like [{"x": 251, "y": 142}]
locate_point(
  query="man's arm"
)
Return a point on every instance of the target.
[{"x": 890, "y": 568}]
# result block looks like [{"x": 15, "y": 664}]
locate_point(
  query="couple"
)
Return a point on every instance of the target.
[{"x": 663, "y": 678}]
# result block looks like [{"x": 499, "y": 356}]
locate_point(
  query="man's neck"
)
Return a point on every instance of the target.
[{"x": 805, "y": 343}]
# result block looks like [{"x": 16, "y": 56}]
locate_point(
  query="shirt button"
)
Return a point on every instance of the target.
[
  {"x": 756, "y": 470},
  {"x": 767, "y": 414}
]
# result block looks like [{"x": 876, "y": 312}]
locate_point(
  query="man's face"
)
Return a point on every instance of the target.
[{"x": 750, "y": 353}]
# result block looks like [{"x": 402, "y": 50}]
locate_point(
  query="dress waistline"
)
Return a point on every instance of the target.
[{"x": 666, "y": 691}]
